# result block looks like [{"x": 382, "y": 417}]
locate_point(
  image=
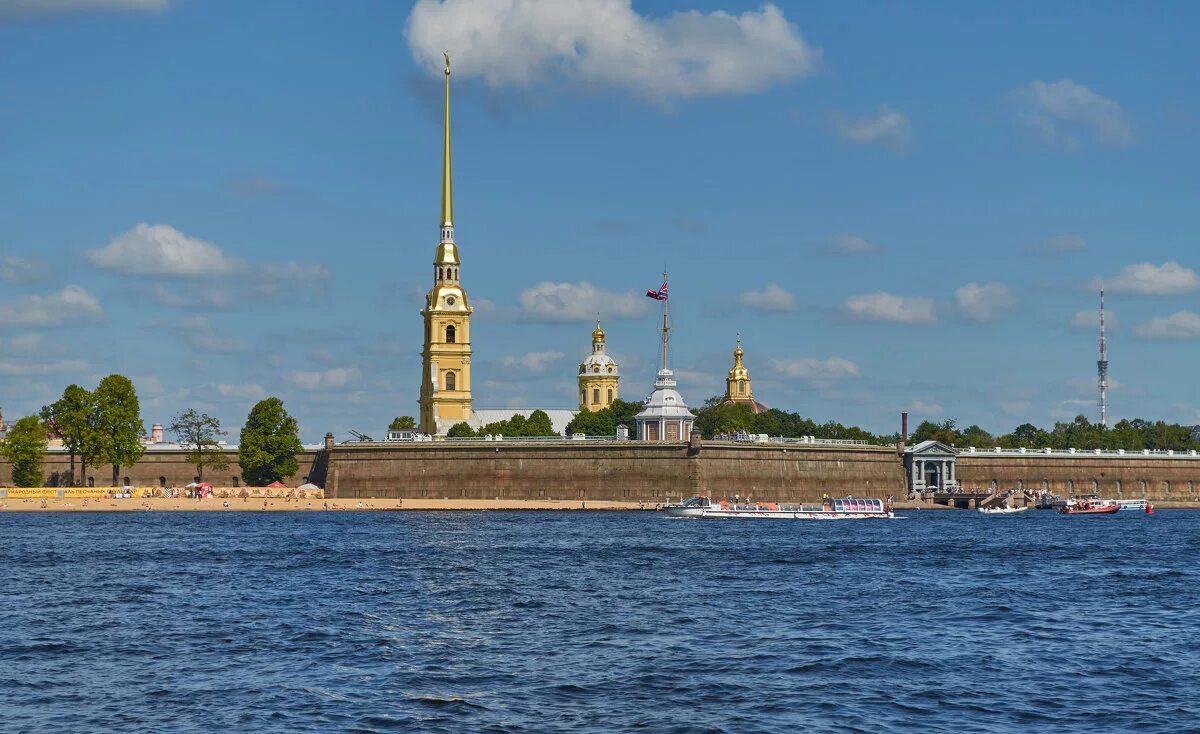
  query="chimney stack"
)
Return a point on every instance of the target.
[{"x": 903, "y": 432}]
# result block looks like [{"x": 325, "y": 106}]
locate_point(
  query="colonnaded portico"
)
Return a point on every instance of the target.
[{"x": 929, "y": 466}]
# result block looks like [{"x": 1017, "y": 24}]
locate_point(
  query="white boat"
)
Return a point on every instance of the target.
[
  {"x": 1134, "y": 505},
  {"x": 850, "y": 508},
  {"x": 1002, "y": 510}
]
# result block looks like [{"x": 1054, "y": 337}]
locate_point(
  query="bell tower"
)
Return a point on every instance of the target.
[
  {"x": 446, "y": 357},
  {"x": 737, "y": 384}
]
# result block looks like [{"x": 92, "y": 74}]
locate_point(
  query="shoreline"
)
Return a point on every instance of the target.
[{"x": 278, "y": 504}]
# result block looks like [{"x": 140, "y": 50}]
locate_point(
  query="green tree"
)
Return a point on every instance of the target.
[
  {"x": 269, "y": 444},
  {"x": 623, "y": 412},
  {"x": 198, "y": 433},
  {"x": 402, "y": 423},
  {"x": 538, "y": 424},
  {"x": 974, "y": 436},
  {"x": 25, "y": 449},
  {"x": 461, "y": 430},
  {"x": 589, "y": 423},
  {"x": 118, "y": 424},
  {"x": 71, "y": 418}
]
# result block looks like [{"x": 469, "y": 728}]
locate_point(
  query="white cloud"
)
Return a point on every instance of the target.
[
  {"x": 1089, "y": 320},
  {"x": 1148, "y": 279},
  {"x": 333, "y": 378},
  {"x": 533, "y": 362},
  {"x": 277, "y": 280},
  {"x": 1179, "y": 325},
  {"x": 848, "y": 244},
  {"x": 69, "y": 304},
  {"x": 244, "y": 392},
  {"x": 695, "y": 378},
  {"x": 549, "y": 302},
  {"x": 920, "y": 407},
  {"x": 887, "y": 127},
  {"x": 1014, "y": 407},
  {"x": 160, "y": 249},
  {"x": 606, "y": 43},
  {"x": 1061, "y": 243},
  {"x": 15, "y": 367},
  {"x": 984, "y": 302},
  {"x": 834, "y": 368},
  {"x": 771, "y": 299},
  {"x": 12, "y": 10},
  {"x": 14, "y": 269},
  {"x": 1059, "y": 109},
  {"x": 890, "y": 308}
]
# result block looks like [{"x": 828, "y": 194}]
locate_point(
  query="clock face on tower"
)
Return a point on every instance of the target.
[{"x": 449, "y": 300}]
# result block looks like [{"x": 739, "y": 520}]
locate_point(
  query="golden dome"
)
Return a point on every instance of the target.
[{"x": 598, "y": 334}]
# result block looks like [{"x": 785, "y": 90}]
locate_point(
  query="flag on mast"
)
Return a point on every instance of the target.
[{"x": 660, "y": 294}]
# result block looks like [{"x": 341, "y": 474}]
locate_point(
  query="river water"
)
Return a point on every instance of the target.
[{"x": 598, "y": 622}]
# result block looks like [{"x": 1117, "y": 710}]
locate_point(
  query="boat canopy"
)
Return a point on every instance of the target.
[{"x": 853, "y": 505}]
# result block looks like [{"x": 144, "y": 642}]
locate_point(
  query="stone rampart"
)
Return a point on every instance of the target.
[
  {"x": 1155, "y": 476},
  {"x": 624, "y": 471}
]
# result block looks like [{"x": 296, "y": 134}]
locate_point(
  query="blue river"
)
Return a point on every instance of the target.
[{"x": 598, "y": 622}]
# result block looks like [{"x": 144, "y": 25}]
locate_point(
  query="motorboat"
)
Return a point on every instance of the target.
[
  {"x": 849, "y": 508},
  {"x": 1002, "y": 510},
  {"x": 1089, "y": 507}
]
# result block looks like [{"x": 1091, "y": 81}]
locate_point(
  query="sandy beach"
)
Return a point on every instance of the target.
[{"x": 276, "y": 504}]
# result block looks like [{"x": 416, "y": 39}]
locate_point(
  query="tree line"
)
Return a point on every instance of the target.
[
  {"x": 1128, "y": 434},
  {"x": 104, "y": 426}
]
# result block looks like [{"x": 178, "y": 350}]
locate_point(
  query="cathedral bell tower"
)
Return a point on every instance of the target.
[
  {"x": 599, "y": 377},
  {"x": 446, "y": 358}
]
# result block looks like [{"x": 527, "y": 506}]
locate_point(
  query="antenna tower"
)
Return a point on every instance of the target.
[{"x": 1102, "y": 368}]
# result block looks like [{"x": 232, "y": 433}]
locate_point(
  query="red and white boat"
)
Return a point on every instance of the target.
[{"x": 1087, "y": 507}]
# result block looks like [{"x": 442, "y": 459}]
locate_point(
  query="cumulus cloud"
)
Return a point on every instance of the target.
[
  {"x": 886, "y": 127},
  {"x": 1179, "y": 325},
  {"x": 984, "y": 302},
  {"x": 337, "y": 377},
  {"x": 606, "y": 43},
  {"x": 834, "y": 368},
  {"x": 1061, "y": 110},
  {"x": 14, "y": 269},
  {"x": 771, "y": 299},
  {"x": 241, "y": 392},
  {"x": 549, "y": 302},
  {"x": 848, "y": 244},
  {"x": 14, "y": 10},
  {"x": 160, "y": 249},
  {"x": 1089, "y": 320},
  {"x": 920, "y": 407},
  {"x": 69, "y": 304},
  {"x": 889, "y": 308},
  {"x": 203, "y": 337},
  {"x": 21, "y": 367},
  {"x": 276, "y": 280},
  {"x": 533, "y": 362},
  {"x": 1063, "y": 243},
  {"x": 1148, "y": 279},
  {"x": 1014, "y": 407}
]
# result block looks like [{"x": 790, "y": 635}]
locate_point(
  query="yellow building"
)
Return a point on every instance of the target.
[
  {"x": 446, "y": 358},
  {"x": 737, "y": 384},
  {"x": 598, "y": 376}
]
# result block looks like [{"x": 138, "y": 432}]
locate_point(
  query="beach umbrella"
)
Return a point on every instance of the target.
[
  {"x": 308, "y": 485},
  {"x": 277, "y": 485}
]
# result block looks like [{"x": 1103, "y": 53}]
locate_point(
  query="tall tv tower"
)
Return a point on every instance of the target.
[{"x": 1102, "y": 368}]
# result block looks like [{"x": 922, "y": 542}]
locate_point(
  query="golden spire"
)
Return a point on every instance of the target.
[
  {"x": 447, "y": 194},
  {"x": 737, "y": 353}
]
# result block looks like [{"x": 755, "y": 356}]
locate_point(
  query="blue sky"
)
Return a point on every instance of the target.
[{"x": 898, "y": 206}]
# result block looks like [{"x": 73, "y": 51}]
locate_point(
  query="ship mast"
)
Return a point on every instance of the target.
[{"x": 665, "y": 328}]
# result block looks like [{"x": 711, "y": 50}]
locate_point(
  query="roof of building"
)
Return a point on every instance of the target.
[
  {"x": 559, "y": 417},
  {"x": 665, "y": 401}
]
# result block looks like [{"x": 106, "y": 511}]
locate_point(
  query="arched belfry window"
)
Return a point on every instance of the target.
[
  {"x": 450, "y": 378},
  {"x": 450, "y": 335},
  {"x": 440, "y": 272},
  {"x": 610, "y": 398},
  {"x": 741, "y": 388},
  {"x": 596, "y": 395}
]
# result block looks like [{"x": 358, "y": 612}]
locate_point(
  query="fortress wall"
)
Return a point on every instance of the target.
[
  {"x": 1129, "y": 476},
  {"x": 632, "y": 471},
  {"x": 171, "y": 465}
]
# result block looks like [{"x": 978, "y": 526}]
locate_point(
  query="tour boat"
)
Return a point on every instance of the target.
[
  {"x": 1089, "y": 508},
  {"x": 849, "y": 508},
  {"x": 1002, "y": 510}
]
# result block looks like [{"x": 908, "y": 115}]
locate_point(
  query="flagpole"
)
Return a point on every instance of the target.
[{"x": 665, "y": 328}]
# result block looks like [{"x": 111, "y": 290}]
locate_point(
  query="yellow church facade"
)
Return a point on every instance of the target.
[
  {"x": 599, "y": 376},
  {"x": 738, "y": 389},
  {"x": 446, "y": 357}
]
